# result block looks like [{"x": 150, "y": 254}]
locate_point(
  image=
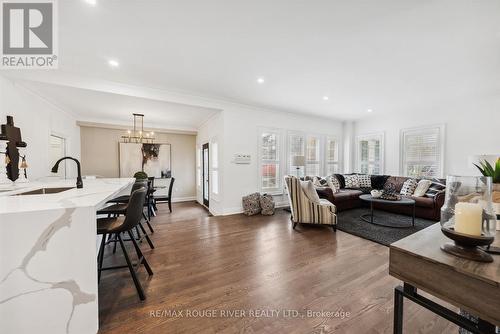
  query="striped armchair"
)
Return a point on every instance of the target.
[{"x": 304, "y": 210}]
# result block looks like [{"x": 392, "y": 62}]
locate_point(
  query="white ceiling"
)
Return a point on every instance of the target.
[
  {"x": 386, "y": 55},
  {"x": 103, "y": 107}
]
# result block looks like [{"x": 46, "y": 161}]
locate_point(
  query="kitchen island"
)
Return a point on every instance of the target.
[{"x": 48, "y": 266}]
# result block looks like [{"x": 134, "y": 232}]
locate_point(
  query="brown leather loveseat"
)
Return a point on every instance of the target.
[{"x": 427, "y": 207}]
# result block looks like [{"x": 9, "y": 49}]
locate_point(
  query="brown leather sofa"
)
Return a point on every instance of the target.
[{"x": 425, "y": 207}]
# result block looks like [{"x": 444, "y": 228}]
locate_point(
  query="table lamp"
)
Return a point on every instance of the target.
[{"x": 298, "y": 161}]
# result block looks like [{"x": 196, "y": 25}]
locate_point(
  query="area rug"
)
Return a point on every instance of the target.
[{"x": 350, "y": 222}]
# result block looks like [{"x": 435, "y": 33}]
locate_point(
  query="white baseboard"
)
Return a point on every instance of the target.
[
  {"x": 183, "y": 199},
  {"x": 232, "y": 211}
]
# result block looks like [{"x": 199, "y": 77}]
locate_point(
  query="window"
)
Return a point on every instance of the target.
[
  {"x": 305, "y": 154},
  {"x": 332, "y": 156},
  {"x": 315, "y": 155},
  {"x": 215, "y": 167},
  {"x": 296, "y": 148},
  {"x": 57, "y": 150},
  {"x": 422, "y": 151},
  {"x": 370, "y": 153},
  {"x": 313, "y": 164},
  {"x": 270, "y": 171}
]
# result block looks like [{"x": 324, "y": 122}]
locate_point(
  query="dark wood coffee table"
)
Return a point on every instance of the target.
[{"x": 368, "y": 217}]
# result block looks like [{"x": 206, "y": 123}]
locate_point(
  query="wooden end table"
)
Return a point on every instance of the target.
[{"x": 472, "y": 286}]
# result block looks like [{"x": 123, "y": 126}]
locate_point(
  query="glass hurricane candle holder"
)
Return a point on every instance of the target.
[{"x": 467, "y": 217}]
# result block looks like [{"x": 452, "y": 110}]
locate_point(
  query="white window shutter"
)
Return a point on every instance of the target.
[{"x": 422, "y": 152}]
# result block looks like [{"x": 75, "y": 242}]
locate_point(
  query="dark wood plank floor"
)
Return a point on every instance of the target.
[{"x": 255, "y": 264}]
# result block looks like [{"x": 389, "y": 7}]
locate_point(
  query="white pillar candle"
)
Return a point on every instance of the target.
[{"x": 468, "y": 218}]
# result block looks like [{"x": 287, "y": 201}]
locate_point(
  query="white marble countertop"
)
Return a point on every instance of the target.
[
  {"x": 49, "y": 256},
  {"x": 93, "y": 194}
]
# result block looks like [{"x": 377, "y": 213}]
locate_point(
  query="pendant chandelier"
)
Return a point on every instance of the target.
[{"x": 137, "y": 135}]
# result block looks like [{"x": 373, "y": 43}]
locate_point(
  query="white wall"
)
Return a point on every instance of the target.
[
  {"x": 348, "y": 139},
  {"x": 472, "y": 128},
  {"x": 37, "y": 120},
  {"x": 236, "y": 129},
  {"x": 241, "y": 135},
  {"x": 100, "y": 156}
]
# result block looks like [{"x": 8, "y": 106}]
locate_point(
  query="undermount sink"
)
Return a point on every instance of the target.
[{"x": 44, "y": 191}]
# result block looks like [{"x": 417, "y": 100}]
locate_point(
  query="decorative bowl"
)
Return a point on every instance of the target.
[{"x": 376, "y": 193}]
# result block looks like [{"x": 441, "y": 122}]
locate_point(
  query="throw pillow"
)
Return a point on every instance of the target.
[
  {"x": 335, "y": 186},
  {"x": 395, "y": 183},
  {"x": 378, "y": 181},
  {"x": 422, "y": 187},
  {"x": 341, "y": 179},
  {"x": 251, "y": 204},
  {"x": 335, "y": 181},
  {"x": 408, "y": 187},
  {"x": 309, "y": 191},
  {"x": 351, "y": 181},
  {"x": 320, "y": 182},
  {"x": 365, "y": 181},
  {"x": 435, "y": 188}
]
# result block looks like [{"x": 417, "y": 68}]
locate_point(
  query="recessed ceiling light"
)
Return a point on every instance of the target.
[
  {"x": 113, "y": 63},
  {"x": 260, "y": 80},
  {"x": 369, "y": 110},
  {"x": 325, "y": 98},
  {"x": 91, "y": 2}
]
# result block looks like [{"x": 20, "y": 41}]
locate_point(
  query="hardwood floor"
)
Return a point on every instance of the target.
[{"x": 254, "y": 264}]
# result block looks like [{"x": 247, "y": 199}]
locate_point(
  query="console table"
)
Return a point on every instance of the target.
[{"x": 471, "y": 286}]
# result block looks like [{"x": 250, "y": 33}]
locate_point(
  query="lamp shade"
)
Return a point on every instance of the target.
[{"x": 298, "y": 160}]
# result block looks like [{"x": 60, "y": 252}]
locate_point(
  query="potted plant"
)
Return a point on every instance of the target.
[
  {"x": 140, "y": 176},
  {"x": 488, "y": 170}
]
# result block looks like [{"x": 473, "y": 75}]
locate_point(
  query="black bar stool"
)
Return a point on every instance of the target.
[
  {"x": 150, "y": 200},
  {"x": 125, "y": 198},
  {"x": 117, "y": 226},
  {"x": 118, "y": 209}
]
